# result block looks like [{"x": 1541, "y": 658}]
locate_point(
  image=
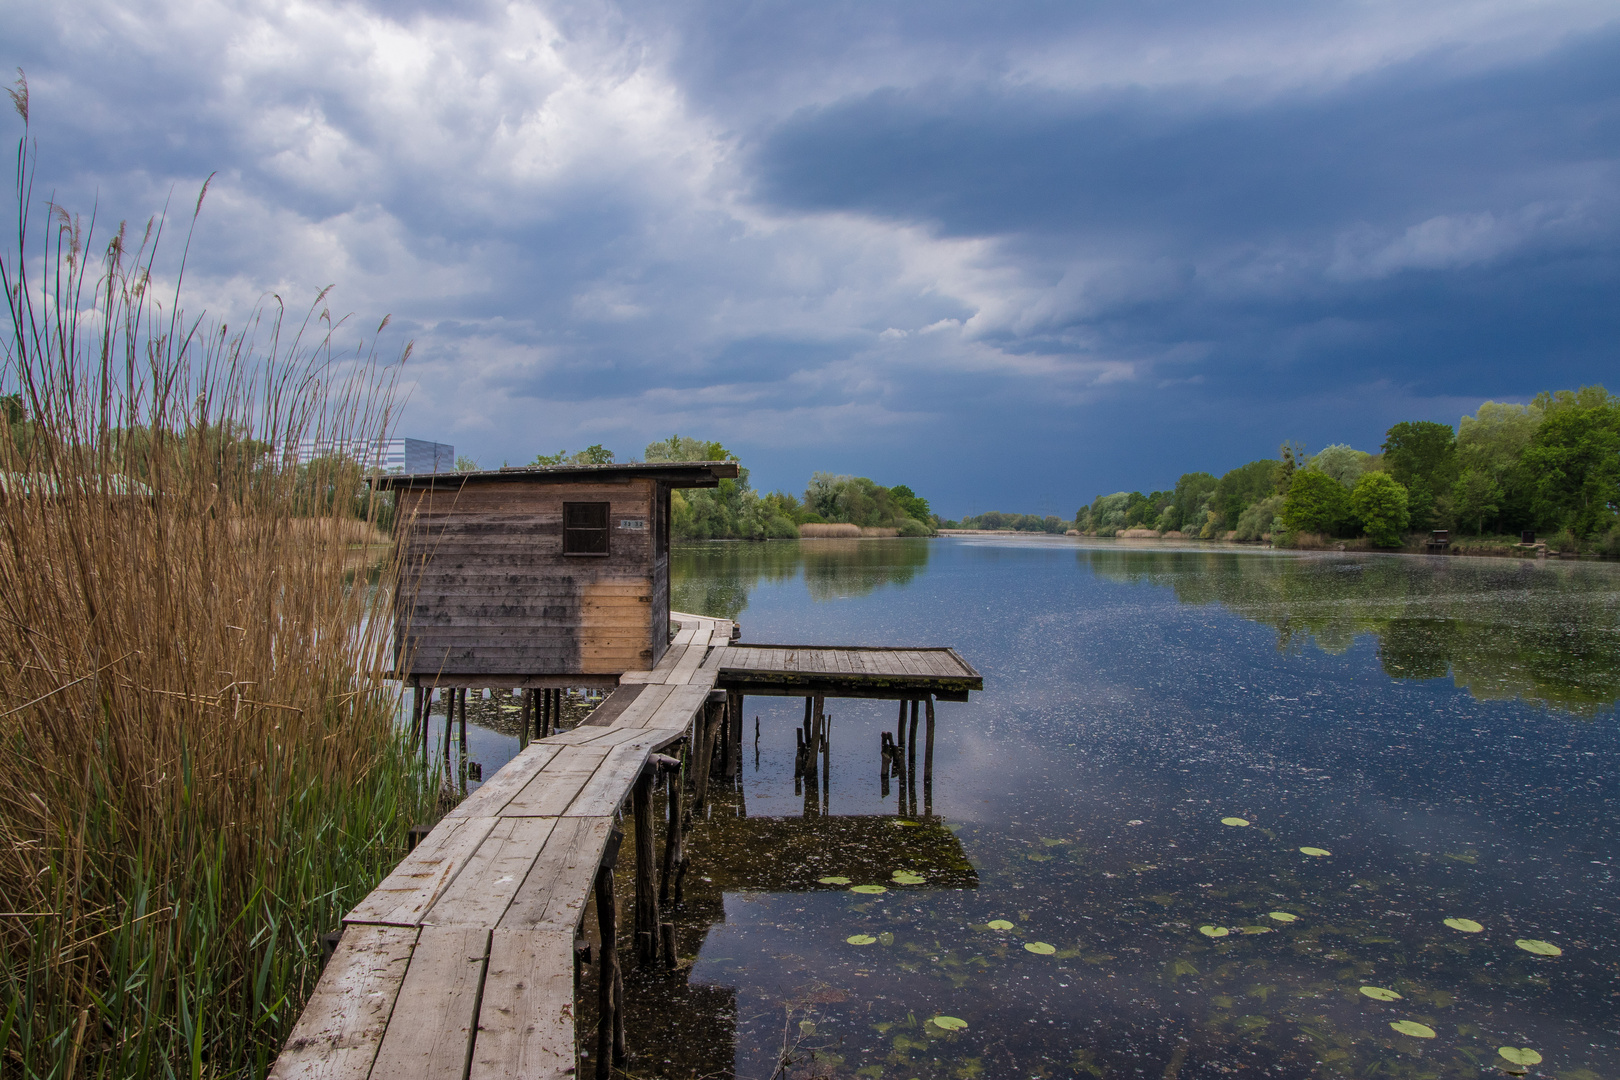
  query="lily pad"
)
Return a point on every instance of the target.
[
  {"x": 1000, "y": 924},
  {"x": 1467, "y": 926},
  {"x": 833, "y": 879},
  {"x": 1317, "y": 851},
  {"x": 869, "y": 890},
  {"x": 902, "y": 821},
  {"x": 949, "y": 1023},
  {"x": 1413, "y": 1028},
  {"x": 1234, "y": 821},
  {"x": 1378, "y": 993},
  {"x": 1519, "y": 1055},
  {"x": 861, "y": 939},
  {"x": 1284, "y": 916},
  {"x": 907, "y": 877},
  {"x": 1213, "y": 931},
  {"x": 1540, "y": 948},
  {"x": 1039, "y": 948}
]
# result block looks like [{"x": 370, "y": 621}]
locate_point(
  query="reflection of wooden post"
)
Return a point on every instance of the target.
[
  {"x": 646, "y": 896},
  {"x": 928, "y": 752}
]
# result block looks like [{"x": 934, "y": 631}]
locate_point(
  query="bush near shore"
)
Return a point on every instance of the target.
[{"x": 200, "y": 768}]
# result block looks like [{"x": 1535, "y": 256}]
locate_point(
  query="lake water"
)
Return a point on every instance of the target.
[{"x": 1441, "y": 730}]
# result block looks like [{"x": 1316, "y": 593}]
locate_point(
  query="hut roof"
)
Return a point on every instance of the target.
[{"x": 688, "y": 474}]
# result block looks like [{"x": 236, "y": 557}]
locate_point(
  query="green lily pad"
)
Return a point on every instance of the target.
[
  {"x": 1540, "y": 948},
  {"x": 861, "y": 939},
  {"x": 1234, "y": 821},
  {"x": 1378, "y": 993},
  {"x": 948, "y": 1023},
  {"x": 1039, "y": 948},
  {"x": 833, "y": 879},
  {"x": 907, "y": 877},
  {"x": 1000, "y": 924},
  {"x": 870, "y": 890},
  {"x": 1519, "y": 1055},
  {"x": 1284, "y": 916},
  {"x": 1213, "y": 931},
  {"x": 1317, "y": 851},
  {"x": 1467, "y": 926},
  {"x": 901, "y": 821},
  {"x": 1413, "y": 1028}
]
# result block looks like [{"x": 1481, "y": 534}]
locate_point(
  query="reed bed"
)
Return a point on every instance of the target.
[{"x": 199, "y": 764}]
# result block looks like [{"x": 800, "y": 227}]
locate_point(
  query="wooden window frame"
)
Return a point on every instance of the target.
[{"x": 571, "y": 531}]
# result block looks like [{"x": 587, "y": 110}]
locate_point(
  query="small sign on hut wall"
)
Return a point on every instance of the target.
[{"x": 632, "y": 523}]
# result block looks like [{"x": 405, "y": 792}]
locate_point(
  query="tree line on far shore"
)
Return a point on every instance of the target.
[
  {"x": 1551, "y": 467},
  {"x": 736, "y": 511}
]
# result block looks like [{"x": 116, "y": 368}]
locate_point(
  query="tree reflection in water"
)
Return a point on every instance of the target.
[
  {"x": 1535, "y": 631},
  {"x": 715, "y": 578}
]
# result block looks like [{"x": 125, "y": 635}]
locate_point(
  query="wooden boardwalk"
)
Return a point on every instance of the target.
[
  {"x": 461, "y": 963},
  {"x": 862, "y": 671}
]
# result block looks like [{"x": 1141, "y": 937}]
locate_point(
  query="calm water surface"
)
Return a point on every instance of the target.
[{"x": 1442, "y": 731}]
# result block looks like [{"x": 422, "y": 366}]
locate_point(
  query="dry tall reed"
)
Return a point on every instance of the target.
[{"x": 199, "y": 769}]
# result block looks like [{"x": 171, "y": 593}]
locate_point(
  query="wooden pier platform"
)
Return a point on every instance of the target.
[{"x": 461, "y": 964}]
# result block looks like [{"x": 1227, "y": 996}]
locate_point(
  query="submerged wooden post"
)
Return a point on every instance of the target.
[
  {"x": 609, "y": 984},
  {"x": 416, "y": 706},
  {"x": 709, "y": 721},
  {"x": 928, "y": 751},
  {"x": 647, "y": 919},
  {"x": 734, "y": 736},
  {"x": 527, "y": 713},
  {"x": 900, "y": 727}
]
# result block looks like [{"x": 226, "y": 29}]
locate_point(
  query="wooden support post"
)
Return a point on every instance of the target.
[
  {"x": 885, "y": 741},
  {"x": 416, "y": 706},
  {"x": 464, "y": 729},
  {"x": 606, "y": 965},
  {"x": 527, "y": 705},
  {"x": 709, "y": 723},
  {"x": 734, "y": 735},
  {"x": 911, "y": 744},
  {"x": 647, "y": 920},
  {"x": 672, "y": 960},
  {"x": 900, "y": 728},
  {"x": 449, "y": 721},
  {"x": 672, "y": 838},
  {"x": 798, "y": 752},
  {"x": 928, "y": 748}
]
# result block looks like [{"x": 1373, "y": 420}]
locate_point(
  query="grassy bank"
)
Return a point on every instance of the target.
[{"x": 199, "y": 770}]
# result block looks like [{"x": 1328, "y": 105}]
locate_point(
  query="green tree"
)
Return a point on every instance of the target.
[
  {"x": 1242, "y": 487},
  {"x": 914, "y": 505},
  {"x": 1422, "y": 456},
  {"x": 465, "y": 464},
  {"x": 1316, "y": 503},
  {"x": 1291, "y": 458},
  {"x": 684, "y": 448},
  {"x": 1492, "y": 442},
  {"x": 1575, "y": 458},
  {"x": 1344, "y": 463},
  {"x": 1379, "y": 501},
  {"x": 1475, "y": 496},
  {"x": 595, "y": 454}
]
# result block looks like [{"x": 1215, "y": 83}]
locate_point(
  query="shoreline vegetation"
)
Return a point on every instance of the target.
[
  {"x": 1530, "y": 479},
  {"x": 202, "y": 769},
  {"x": 832, "y": 506}
]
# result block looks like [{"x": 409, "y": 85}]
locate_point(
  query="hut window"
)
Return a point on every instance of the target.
[{"x": 585, "y": 528}]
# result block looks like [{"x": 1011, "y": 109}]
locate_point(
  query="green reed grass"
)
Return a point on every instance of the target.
[{"x": 199, "y": 765}]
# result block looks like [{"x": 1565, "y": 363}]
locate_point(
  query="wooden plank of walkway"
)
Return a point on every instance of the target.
[
  {"x": 461, "y": 962},
  {"x": 337, "y": 1036}
]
